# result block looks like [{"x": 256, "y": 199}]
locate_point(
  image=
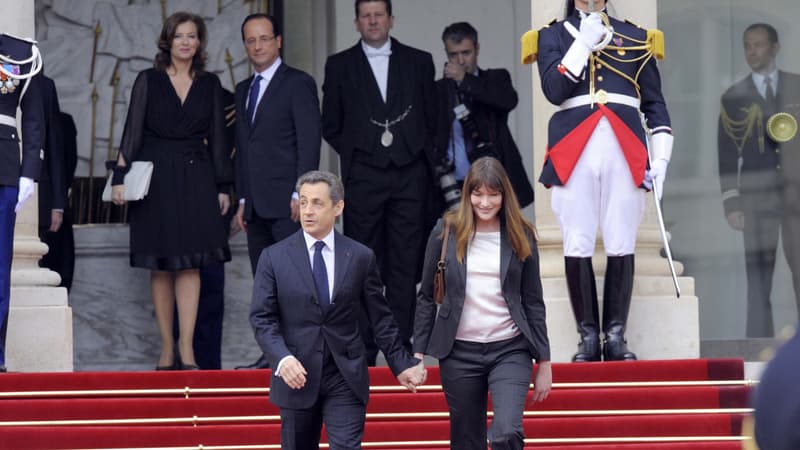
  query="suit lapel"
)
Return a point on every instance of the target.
[
  {"x": 272, "y": 87},
  {"x": 505, "y": 254},
  {"x": 394, "y": 84},
  {"x": 299, "y": 257},
  {"x": 342, "y": 257}
]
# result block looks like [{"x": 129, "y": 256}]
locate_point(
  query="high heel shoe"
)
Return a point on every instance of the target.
[{"x": 189, "y": 367}]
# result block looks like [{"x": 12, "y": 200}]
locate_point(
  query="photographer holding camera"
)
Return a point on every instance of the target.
[{"x": 473, "y": 117}]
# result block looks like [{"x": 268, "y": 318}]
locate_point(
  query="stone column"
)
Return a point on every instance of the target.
[
  {"x": 40, "y": 320},
  {"x": 660, "y": 325}
]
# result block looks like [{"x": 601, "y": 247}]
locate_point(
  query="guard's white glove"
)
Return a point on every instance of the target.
[
  {"x": 656, "y": 175},
  {"x": 25, "y": 191},
  {"x": 593, "y": 31}
]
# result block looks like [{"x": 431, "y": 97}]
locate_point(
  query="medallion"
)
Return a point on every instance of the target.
[{"x": 387, "y": 138}]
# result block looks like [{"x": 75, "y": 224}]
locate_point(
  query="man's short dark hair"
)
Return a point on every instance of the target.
[
  {"x": 387, "y": 2},
  {"x": 335, "y": 186},
  {"x": 459, "y": 31},
  {"x": 772, "y": 33},
  {"x": 276, "y": 28}
]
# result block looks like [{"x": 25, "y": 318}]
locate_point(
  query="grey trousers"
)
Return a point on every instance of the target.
[{"x": 469, "y": 373}]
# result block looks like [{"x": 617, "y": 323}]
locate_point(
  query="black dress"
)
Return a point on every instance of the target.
[{"x": 178, "y": 224}]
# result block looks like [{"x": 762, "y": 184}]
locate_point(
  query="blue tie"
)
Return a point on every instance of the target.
[
  {"x": 320, "y": 272},
  {"x": 253, "y": 99}
]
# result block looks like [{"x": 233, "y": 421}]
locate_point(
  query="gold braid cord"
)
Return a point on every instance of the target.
[
  {"x": 741, "y": 130},
  {"x": 595, "y": 59}
]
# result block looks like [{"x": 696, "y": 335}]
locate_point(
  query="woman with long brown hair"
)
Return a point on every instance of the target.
[
  {"x": 176, "y": 120},
  {"x": 491, "y": 322}
]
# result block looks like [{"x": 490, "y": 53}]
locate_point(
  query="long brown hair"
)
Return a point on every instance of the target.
[
  {"x": 488, "y": 172},
  {"x": 163, "y": 58}
]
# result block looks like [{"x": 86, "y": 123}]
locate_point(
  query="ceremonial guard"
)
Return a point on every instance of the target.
[
  {"x": 19, "y": 63},
  {"x": 602, "y": 74}
]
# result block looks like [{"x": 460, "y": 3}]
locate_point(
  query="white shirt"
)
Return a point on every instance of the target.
[
  {"x": 379, "y": 62},
  {"x": 327, "y": 256},
  {"x": 761, "y": 87},
  {"x": 485, "y": 316},
  {"x": 263, "y": 83}
]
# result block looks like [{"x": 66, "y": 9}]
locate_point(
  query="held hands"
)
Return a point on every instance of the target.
[
  {"x": 594, "y": 32},
  {"x": 293, "y": 373},
  {"x": 413, "y": 376},
  {"x": 25, "y": 191},
  {"x": 656, "y": 175},
  {"x": 542, "y": 382}
]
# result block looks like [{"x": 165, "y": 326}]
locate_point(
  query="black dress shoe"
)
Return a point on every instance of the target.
[
  {"x": 3, "y": 369},
  {"x": 261, "y": 363}
]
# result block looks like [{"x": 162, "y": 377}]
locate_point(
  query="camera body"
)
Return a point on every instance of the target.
[
  {"x": 447, "y": 183},
  {"x": 482, "y": 147}
]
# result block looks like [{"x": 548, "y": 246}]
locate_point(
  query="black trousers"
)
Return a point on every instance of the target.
[
  {"x": 470, "y": 372},
  {"x": 385, "y": 210},
  {"x": 767, "y": 216},
  {"x": 337, "y": 407},
  {"x": 261, "y": 233},
  {"x": 60, "y": 256}
]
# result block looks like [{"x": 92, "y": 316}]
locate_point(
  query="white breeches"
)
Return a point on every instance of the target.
[{"x": 599, "y": 193}]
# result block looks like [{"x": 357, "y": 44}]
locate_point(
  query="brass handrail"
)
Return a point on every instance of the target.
[
  {"x": 187, "y": 391},
  {"x": 197, "y": 420}
]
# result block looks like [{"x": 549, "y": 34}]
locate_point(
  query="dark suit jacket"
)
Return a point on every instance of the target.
[
  {"x": 490, "y": 98},
  {"x": 32, "y": 127},
  {"x": 60, "y": 155},
  {"x": 288, "y": 320},
  {"x": 435, "y": 331},
  {"x": 351, "y": 98},
  {"x": 282, "y": 143},
  {"x": 766, "y": 166}
]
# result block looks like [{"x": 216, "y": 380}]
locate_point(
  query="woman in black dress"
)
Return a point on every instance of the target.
[{"x": 176, "y": 120}]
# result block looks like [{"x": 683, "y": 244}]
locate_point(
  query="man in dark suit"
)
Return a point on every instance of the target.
[
  {"x": 60, "y": 160},
  {"x": 277, "y": 139},
  {"x": 760, "y": 177},
  {"x": 378, "y": 114},
  {"x": 309, "y": 290},
  {"x": 473, "y": 107},
  {"x": 17, "y": 174},
  {"x": 777, "y": 400}
]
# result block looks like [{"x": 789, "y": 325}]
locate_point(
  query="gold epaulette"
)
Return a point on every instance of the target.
[
  {"x": 530, "y": 44},
  {"x": 655, "y": 40}
]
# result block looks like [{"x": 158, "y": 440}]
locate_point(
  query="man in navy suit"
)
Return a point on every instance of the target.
[
  {"x": 309, "y": 291},
  {"x": 379, "y": 115},
  {"x": 277, "y": 139}
]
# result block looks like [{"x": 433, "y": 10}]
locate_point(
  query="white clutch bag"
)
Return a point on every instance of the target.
[{"x": 137, "y": 181}]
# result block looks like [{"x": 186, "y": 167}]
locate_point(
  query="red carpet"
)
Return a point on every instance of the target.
[{"x": 664, "y": 405}]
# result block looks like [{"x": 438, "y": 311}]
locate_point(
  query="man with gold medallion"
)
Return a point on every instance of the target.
[
  {"x": 759, "y": 168},
  {"x": 602, "y": 74}
]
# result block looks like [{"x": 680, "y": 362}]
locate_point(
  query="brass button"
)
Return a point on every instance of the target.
[
  {"x": 601, "y": 97},
  {"x": 599, "y": 66},
  {"x": 599, "y": 78}
]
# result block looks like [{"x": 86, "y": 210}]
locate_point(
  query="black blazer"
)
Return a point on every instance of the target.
[
  {"x": 351, "y": 98},
  {"x": 490, "y": 98},
  {"x": 435, "y": 331},
  {"x": 60, "y": 155},
  {"x": 282, "y": 143},
  {"x": 287, "y": 318}
]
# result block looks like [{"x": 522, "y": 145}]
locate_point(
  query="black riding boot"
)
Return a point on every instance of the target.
[
  {"x": 617, "y": 293},
  {"x": 583, "y": 297}
]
